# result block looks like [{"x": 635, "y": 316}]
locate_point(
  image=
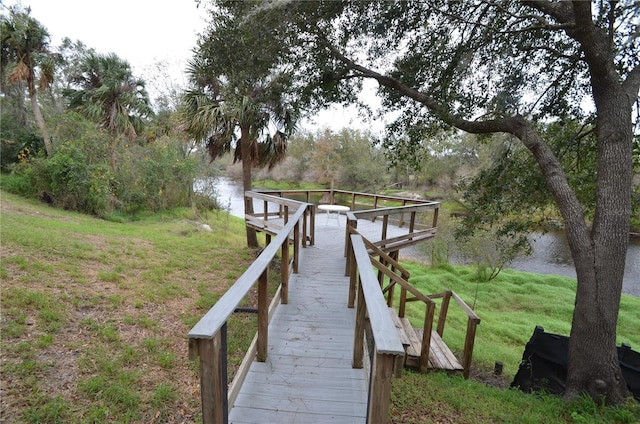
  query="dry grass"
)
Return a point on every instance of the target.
[{"x": 95, "y": 314}]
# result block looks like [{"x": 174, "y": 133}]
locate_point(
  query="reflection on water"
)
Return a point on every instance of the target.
[{"x": 550, "y": 254}]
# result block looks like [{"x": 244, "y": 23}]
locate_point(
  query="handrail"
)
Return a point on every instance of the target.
[
  {"x": 354, "y": 194},
  {"x": 207, "y": 339},
  {"x": 472, "y": 322},
  {"x": 388, "y": 348}
]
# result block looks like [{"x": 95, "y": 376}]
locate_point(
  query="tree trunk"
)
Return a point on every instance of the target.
[
  {"x": 593, "y": 359},
  {"x": 112, "y": 151},
  {"x": 245, "y": 144},
  {"x": 37, "y": 114}
]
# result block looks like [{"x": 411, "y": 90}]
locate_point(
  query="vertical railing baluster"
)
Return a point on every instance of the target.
[
  {"x": 263, "y": 316},
  {"x": 284, "y": 273}
]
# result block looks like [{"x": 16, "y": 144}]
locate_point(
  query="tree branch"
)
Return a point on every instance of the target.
[
  {"x": 631, "y": 85},
  {"x": 551, "y": 168}
]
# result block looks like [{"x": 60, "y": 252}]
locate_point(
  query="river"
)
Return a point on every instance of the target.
[{"x": 550, "y": 250}]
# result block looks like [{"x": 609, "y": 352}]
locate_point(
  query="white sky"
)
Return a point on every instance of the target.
[{"x": 144, "y": 32}]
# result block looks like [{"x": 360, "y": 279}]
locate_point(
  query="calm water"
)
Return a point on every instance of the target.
[
  {"x": 550, "y": 251},
  {"x": 551, "y": 255}
]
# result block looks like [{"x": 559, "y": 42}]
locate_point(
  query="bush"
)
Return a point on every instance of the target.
[
  {"x": 69, "y": 181},
  {"x": 150, "y": 177},
  {"x": 154, "y": 177},
  {"x": 19, "y": 181}
]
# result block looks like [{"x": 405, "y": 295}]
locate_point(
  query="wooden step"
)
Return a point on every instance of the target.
[{"x": 440, "y": 356}]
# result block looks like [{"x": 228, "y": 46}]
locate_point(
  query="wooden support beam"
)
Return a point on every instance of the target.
[
  {"x": 213, "y": 378},
  {"x": 380, "y": 388}
]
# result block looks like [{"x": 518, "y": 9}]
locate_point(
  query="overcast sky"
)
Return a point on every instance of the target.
[{"x": 144, "y": 32}]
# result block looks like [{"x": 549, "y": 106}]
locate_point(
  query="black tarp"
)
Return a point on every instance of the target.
[{"x": 544, "y": 364}]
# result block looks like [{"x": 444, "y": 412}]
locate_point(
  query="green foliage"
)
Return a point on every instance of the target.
[
  {"x": 153, "y": 177},
  {"x": 108, "y": 94},
  {"x": 240, "y": 99},
  {"x": 490, "y": 252},
  {"x": 70, "y": 181},
  {"x": 348, "y": 158}
]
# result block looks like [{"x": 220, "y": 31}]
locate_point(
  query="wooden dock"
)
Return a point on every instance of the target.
[
  {"x": 317, "y": 349},
  {"x": 308, "y": 377}
]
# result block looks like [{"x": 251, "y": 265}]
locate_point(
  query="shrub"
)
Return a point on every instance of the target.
[{"x": 68, "y": 180}]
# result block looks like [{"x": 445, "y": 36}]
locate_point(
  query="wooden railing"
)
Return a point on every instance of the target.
[
  {"x": 472, "y": 322},
  {"x": 415, "y": 234},
  {"x": 357, "y": 201},
  {"x": 208, "y": 338},
  {"x": 397, "y": 276},
  {"x": 387, "y": 347},
  {"x": 388, "y": 266}
]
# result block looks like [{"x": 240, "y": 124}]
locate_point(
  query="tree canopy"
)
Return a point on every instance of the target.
[{"x": 497, "y": 67}]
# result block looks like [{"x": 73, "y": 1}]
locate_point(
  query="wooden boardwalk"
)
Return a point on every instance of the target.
[{"x": 307, "y": 377}]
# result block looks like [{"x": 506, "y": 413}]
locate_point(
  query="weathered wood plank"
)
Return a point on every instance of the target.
[
  {"x": 440, "y": 356},
  {"x": 262, "y": 416}
]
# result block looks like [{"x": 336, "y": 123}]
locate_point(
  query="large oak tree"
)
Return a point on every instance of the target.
[{"x": 499, "y": 67}]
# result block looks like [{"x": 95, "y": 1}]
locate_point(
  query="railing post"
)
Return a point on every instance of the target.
[
  {"x": 380, "y": 388},
  {"x": 401, "y": 223},
  {"x": 403, "y": 302},
  {"x": 284, "y": 273},
  {"x": 304, "y": 226},
  {"x": 426, "y": 336},
  {"x": 469, "y": 341},
  {"x": 296, "y": 247},
  {"x": 312, "y": 225},
  {"x": 353, "y": 278},
  {"x": 263, "y": 315},
  {"x": 213, "y": 377},
  {"x": 358, "y": 338},
  {"x": 443, "y": 312},
  {"x": 347, "y": 241},
  {"x": 435, "y": 217}
]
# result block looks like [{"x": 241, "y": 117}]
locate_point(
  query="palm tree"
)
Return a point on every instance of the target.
[
  {"x": 25, "y": 45},
  {"x": 109, "y": 95},
  {"x": 253, "y": 121}
]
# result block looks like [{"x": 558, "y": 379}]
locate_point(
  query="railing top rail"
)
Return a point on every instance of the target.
[
  {"x": 275, "y": 199},
  {"x": 215, "y": 318},
  {"x": 380, "y": 196},
  {"x": 470, "y": 312},
  {"x": 352, "y": 193},
  {"x": 371, "y": 213},
  {"x": 384, "y": 331}
]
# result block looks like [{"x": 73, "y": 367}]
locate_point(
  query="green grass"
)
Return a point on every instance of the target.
[{"x": 82, "y": 297}]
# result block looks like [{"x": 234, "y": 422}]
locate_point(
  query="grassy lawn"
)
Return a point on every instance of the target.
[{"x": 95, "y": 315}]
